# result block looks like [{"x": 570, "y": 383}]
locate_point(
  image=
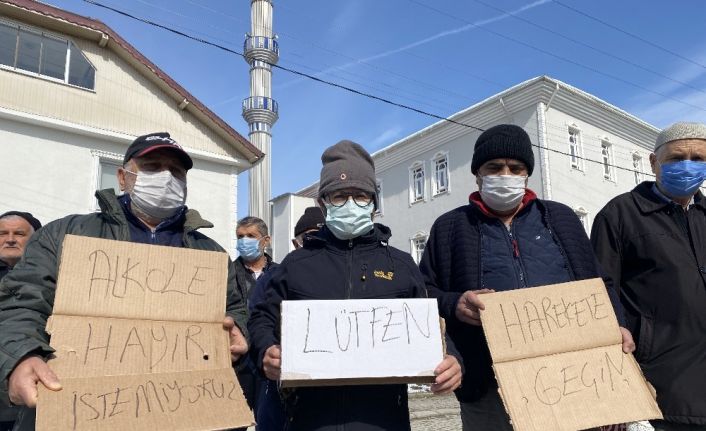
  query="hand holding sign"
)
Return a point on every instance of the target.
[
  {"x": 272, "y": 362},
  {"x": 23, "y": 381},
  {"x": 238, "y": 344},
  {"x": 469, "y": 305},
  {"x": 448, "y": 376},
  {"x": 628, "y": 342}
]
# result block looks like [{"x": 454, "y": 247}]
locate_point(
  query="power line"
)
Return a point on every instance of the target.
[
  {"x": 601, "y": 51},
  {"x": 641, "y": 39},
  {"x": 558, "y": 57},
  {"x": 342, "y": 87}
]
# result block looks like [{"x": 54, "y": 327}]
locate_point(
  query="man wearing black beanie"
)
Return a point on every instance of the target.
[{"x": 519, "y": 241}]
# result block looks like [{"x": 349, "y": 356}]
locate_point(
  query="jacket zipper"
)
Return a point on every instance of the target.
[
  {"x": 350, "y": 269},
  {"x": 516, "y": 254}
]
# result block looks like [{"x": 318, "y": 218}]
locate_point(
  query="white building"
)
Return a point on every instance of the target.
[
  {"x": 74, "y": 94},
  {"x": 586, "y": 152}
]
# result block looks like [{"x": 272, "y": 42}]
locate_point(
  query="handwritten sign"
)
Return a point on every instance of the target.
[
  {"x": 139, "y": 340},
  {"x": 557, "y": 356},
  {"x": 360, "y": 341}
]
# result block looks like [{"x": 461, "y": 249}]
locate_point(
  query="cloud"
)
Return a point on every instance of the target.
[
  {"x": 420, "y": 42},
  {"x": 662, "y": 112},
  {"x": 385, "y": 138}
]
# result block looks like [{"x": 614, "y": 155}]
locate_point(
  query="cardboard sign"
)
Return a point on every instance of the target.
[
  {"x": 558, "y": 359},
  {"x": 362, "y": 341},
  {"x": 139, "y": 339}
]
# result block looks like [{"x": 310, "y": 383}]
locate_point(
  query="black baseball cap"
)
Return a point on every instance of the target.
[{"x": 147, "y": 143}]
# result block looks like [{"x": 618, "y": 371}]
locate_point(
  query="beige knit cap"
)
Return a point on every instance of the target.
[{"x": 681, "y": 130}]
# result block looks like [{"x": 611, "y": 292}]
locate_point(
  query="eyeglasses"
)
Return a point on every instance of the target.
[{"x": 338, "y": 199}]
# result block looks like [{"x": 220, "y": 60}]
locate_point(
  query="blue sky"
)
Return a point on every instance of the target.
[{"x": 439, "y": 56}]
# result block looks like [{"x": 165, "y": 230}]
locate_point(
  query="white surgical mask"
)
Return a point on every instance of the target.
[
  {"x": 158, "y": 194},
  {"x": 503, "y": 192}
]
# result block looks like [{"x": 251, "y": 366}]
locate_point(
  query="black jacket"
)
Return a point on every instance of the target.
[
  {"x": 656, "y": 254},
  {"x": 4, "y": 269},
  {"x": 329, "y": 268},
  {"x": 451, "y": 265}
]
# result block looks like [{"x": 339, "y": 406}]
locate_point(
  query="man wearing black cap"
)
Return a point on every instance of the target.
[
  {"x": 16, "y": 228},
  {"x": 151, "y": 211},
  {"x": 340, "y": 262},
  {"x": 504, "y": 239}
]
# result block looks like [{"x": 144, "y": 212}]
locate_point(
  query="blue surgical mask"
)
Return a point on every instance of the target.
[
  {"x": 249, "y": 248},
  {"x": 350, "y": 220},
  {"x": 682, "y": 179}
]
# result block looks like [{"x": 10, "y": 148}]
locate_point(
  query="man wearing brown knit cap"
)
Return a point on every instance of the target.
[{"x": 344, "y": 253}]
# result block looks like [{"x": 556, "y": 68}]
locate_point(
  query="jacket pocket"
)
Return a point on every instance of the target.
[{"x": 645, "y": 338}]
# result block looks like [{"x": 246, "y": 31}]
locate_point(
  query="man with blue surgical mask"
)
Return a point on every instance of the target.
[
  {"x": 652, "y": 243},
  {"x": 505, "y": 238},
  {"x": 344, "y": 260},
  {"x": 151, "y": 210}
]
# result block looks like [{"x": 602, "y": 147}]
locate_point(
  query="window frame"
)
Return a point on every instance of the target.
[
  {"x": 639, "y": 170},
  {"x": 575, "y": 149},
  {"x": 100, "y": 157},
  {"x": 582, "y": 214},
  {"x": 608, "y": 161},
  {"x": 379, "y": 211},
  {"x": 439, "y": 157},
  {"x": 67, "y": 58},
  {"x": 418, "y": 166},
  {"x": 414, "y": 249}
]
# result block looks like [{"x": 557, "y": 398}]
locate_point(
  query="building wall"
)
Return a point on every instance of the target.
[
  {"x": 286, "y": 211},
  {"x": 588, "y": 188},
  {"x": 53, "y": 173},
  {"x": 124, "y": 101}
]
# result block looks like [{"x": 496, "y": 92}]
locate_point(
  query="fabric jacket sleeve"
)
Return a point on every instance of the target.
[
  {"x": 235, "y": 306},
  {"x": 428, "y": 266},
  {"x": 264, "y": 323},
  {"x": 26, "y": 301}
]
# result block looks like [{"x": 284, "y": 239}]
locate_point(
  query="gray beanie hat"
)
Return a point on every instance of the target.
[
  {"x": 681, "y": 130},
  {"x": 346, "y": 165}
]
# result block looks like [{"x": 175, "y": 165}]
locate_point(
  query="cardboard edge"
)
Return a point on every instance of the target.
[{"x": 357, "y": 381}]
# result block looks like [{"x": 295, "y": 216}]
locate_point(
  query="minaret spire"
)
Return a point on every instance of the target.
[{"x": 260, "y": 110}]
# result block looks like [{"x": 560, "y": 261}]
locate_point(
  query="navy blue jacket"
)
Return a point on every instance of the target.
[
  {"x": 451, "y": 265},
  {"x": 329, "y": 268}
]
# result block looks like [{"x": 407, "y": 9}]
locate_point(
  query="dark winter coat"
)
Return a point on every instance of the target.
[
  {"x": 27, "y": 292},
  {"x": 656, "y": 254},
  {"x": 329, "y": 268},
  {"x": 452, "y": 264}
]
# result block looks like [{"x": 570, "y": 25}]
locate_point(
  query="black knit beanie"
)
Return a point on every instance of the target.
[
  {"x": 36, "y": 224},
  {"x": 504, "y": 141},
  {"x": 312, "y": 218},
  {"x": 346, "y": 165}
]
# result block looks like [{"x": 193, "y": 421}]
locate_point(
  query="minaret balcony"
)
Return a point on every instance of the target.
[
  {"x": 260, "y": 109},
  {"x": 261, "y": 48}
]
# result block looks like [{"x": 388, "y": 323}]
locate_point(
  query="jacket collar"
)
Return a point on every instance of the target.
[
  {"x": 379, "y": 234},
  {"x": 647, "y": 201},
  {"x": 110, "y": 206},
  {"x": 475, "y": 199}
]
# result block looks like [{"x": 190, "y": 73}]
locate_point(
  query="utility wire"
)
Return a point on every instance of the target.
[
  {"x": 585, "y": 45},
  {"x": 641, "y": 39},
  {"x": 342, "y": 87},
  {"x": 558, "y": 57}
]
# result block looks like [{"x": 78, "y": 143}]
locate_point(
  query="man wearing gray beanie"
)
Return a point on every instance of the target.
[
  {"x": 349, "y": 258},
  {"x": 652, "y": 242},
  {"x": 504, "y": 238}
]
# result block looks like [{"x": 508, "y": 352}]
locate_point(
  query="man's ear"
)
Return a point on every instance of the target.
[
  {"x": 479, "y": 181},
  {"x": 653, "y": 163},
  {"x": 121, "y": 178}
]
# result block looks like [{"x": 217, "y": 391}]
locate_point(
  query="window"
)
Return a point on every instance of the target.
[
  {"x": 45, "y": 55},
  {"x": 378, "y": 185},
  {"x": 417, "y": 182},
  {"x": 607, "y": 161},
  {"x": 440, "y": 182},
  {"x": 583, "y": 217},
  {"x": 575, "y": 150},
  {"x": 419, "y": 242},
  {"x": 107, "y": 175},
  {"x": 637, "y": 168}
]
